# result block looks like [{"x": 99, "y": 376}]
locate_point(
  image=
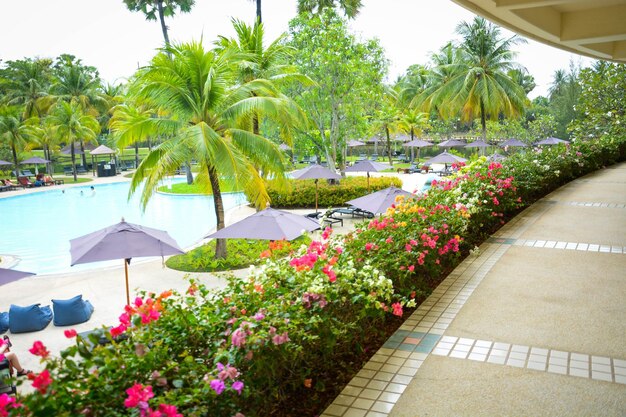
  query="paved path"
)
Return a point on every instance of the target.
[{"x": 534, "y": 324}]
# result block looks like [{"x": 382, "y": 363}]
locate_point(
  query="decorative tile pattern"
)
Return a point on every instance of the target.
[
  {"x": 538, "y": 359},
  {"x": 553, "y": 244}
]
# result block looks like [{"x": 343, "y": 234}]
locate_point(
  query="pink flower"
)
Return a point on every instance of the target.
[
  {"x": 169, "y": 410},
  {"x": 218, "y": 386},
  {"x": 238, "y": 337},
  {"x": 70, "y": 333},
  {"x": 279, "y": 339},
  {"x": 227, "y": 372},
  {"x": 326, "y": 233},
  {"x": 397, "y": 309},
  {"x": 237, "y": 386},
  {"x": 259, "y": 316},
  {"x": 138, "y": 396},
  {"x": 39, "y": 349},
  {"x": 369, "y": 246},
  {"x": 6, "y": 403},
  {"x": 116, "y": 331},
  {"x": 339, "y": 249},
  {"x": 389, "y": 239},
  {"x": 41, "y": 381},
  {"x": 408, "y": 247},
  {"x": 495, "y": 201},
  {"x": 411, "y": 268}
]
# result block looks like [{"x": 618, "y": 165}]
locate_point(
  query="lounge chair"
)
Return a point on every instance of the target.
[
  {"x": 72, "y": 311},
  {"x": 81, "y": 169},
  {"x": 67, "y": 171},
  {"x": 6, "y": 385},
  {"x": 9, "y": 183},
  {"x": 352, "y": 211},
  {"x": 48, "y": 180},
  {"x": 4, "y": 187},
  {"x": 25, "y": 182}
]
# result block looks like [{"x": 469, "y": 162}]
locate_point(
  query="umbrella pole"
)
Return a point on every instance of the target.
[
  {"x": 316, "y": 180},
  {"x": 127, "y": 291},
  {"x": 368, "y": 181}
]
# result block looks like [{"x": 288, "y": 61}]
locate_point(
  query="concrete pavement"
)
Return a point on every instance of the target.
[{"x": 533, "y": 324}]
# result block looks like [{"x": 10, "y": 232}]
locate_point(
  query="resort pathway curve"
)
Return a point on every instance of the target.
[{"x": 531, "y": 324}]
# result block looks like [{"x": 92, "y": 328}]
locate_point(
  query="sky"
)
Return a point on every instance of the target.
[{"x": 106, "y": 35}]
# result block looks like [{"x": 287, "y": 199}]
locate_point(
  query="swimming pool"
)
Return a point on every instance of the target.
[{"x": 38, "y": 227}]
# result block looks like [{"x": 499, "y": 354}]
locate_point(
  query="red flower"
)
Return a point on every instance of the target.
[
  {"x": 138, "y": 396},
  {"x": 397, "y": 309},
  {"x": 39, "y": 349},
  {"x": 70, "y": 333},
  {"x": 116, "y": 331},
  {"x": 41, "y": 381}
]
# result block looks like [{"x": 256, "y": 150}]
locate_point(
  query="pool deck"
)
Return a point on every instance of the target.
[
  {"x": 104, "y": 287},
  {"x": 532, "y": 324}
]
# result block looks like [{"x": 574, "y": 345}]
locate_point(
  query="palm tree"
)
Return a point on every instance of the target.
[
  {"x": 76, "y": 83},
  {"x": 162, "y": 8},
  {"x": 43, "y": 134},
  {"x": 269, "y": 63},
  {"x": 351, "y": 8},
  {"x": 479, "y": 84},
  {"x": 131, "y": 124},
  {"x": 203, "y": 111},
  {"x": 413, "y": 122},
  {"x": 27, "y": 83},
  {"x": 14, "y": 132},
  {"x": 71, "y": 123}
]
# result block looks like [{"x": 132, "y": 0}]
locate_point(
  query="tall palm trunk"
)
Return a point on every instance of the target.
[
  {"x": 189, "y": 174},
  {"x": 136, "y": 155},
  {"x": 258, "y": 11},
  {"x": 220, "y": 244},
  {"x": 46, "y": 153},
  {"x": 483, "y": 120},
  {"x": 162, "y": 19},
  {"x": 83, "y": 157},
  {"x": 73, "y": 153},
  {"x": 388, "y": 145},
  {"x": 17, "y": 167}
]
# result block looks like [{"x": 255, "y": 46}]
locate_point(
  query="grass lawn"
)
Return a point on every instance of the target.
[
  {"x": 70, "y": 180},
  {"x": 184, "y": 188}
]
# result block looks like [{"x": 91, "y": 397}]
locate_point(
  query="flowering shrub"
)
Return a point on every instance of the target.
[{"x": 295, "y": 320}]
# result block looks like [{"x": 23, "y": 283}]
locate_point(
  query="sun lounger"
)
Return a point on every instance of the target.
[
  {"x": 8, "y": 183},
  {"x": 6, "y": 386},
  {"x": 81, "y": 169},
  {"x": 352, "y": 211},
  {"x": 25, "y": 182}
]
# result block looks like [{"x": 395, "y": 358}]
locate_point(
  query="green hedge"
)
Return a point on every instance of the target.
[
  {"x": 241, "y": 254},
  {"x": 301, "y": 193}
]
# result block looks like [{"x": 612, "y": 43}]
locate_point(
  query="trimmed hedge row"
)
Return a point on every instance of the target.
[{"x": 301, "y": 193}]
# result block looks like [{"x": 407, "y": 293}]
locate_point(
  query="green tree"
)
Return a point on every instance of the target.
[
  {"x": 79, "y": 84},
  {"x": 14, "y": 133},
  {"x": 43, "y": 134},
  {"x": 201, "y": 111},
  {"x": 71, "y": 124},
  {"x": 412, "y": 122},
  {"x": 131, "y": 125},
  {"x": 565, "y": 91},
  {"x": 271, "y": 63},
  {"x": 161, "y": 8},
  {"x": 602, "y": 102},
  {"x": 350, "y": 8},
  {"x": 26, "y": 83},
  {"x": 479, "y": 85},
  {"x": 348, "y": 76}
]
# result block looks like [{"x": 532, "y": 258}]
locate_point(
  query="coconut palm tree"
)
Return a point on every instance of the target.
[
  {"x": 27, "y": 84},
  {"x": 483, "y": 87},
  {"x": 412, "y": 122},
  {"x": 205, "y": 113},
  {"x": 14, "y": 132},
  {"x": 351, "y": 8},
  {"x": 161, "y": 8},
  {"x": 131, "y": 124},
  {"x": 269, "y": 63},
  {"x": 44, "y": 134},
  {"x": 80, "y": 84},
  {"x": 71, "y": 124}
]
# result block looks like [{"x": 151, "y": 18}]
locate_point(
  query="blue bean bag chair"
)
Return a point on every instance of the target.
[
  {"x": 29, "y": 319},
  {"x": 4, "y": 322},
  {"x": 72, "y": 311}
]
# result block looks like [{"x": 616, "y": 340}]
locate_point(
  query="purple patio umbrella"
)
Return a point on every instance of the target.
[
  {"x": 354, "y": 143},
  {"x": 5, "y": 163},
  {"x": 122, "y": 241},
  {"x": 514, "y": 143},
  {"x": 451, "y": 143},
  {"x": 35, "y": 160},
  {"x": 368, "y": 166},
  {"x": 379, "y": 201},
  {"x": 478, "y": 144},
  {"x": 417, "y": 143},
  {"x": 10, "y": 275},
  {"x": 268, "y": 224},
  {"x": 315, "y": 172},
  {"x": 445, "y": 158},
  {"x": 551, "y": 141},
  {"x": 496, "y": 157}
]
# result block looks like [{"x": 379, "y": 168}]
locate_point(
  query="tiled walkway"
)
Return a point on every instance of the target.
[{"x": 525, "y": 300}]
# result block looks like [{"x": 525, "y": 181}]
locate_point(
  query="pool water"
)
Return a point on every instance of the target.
[{"x": 37, "y": 227}]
